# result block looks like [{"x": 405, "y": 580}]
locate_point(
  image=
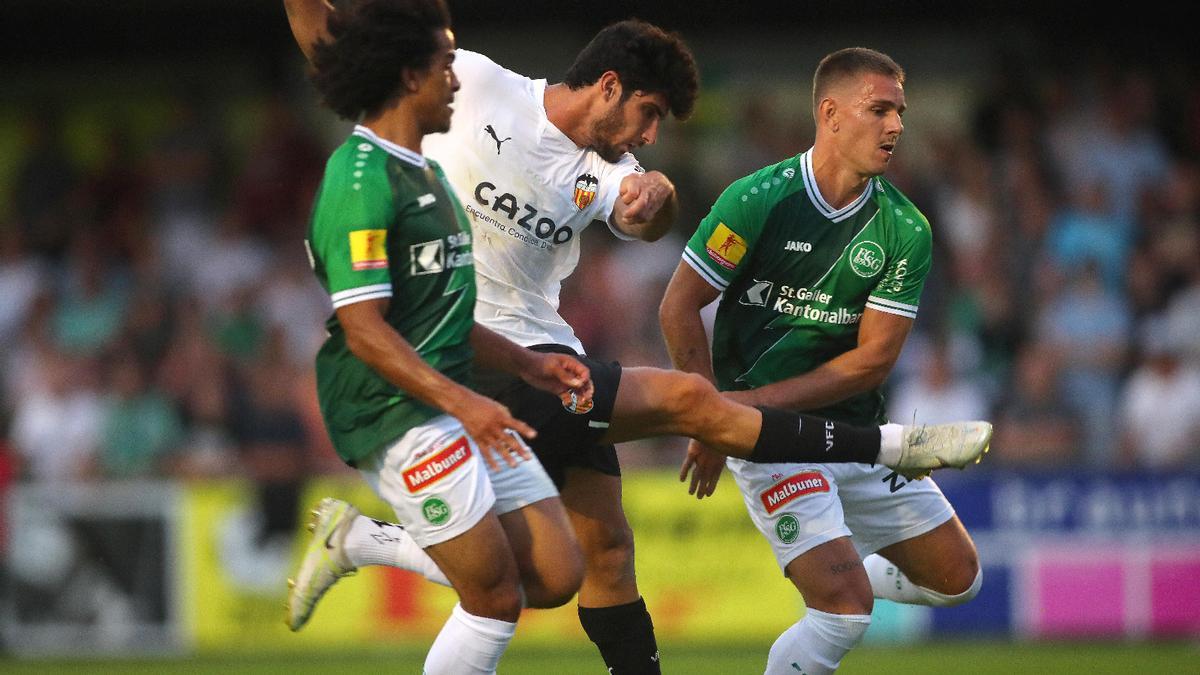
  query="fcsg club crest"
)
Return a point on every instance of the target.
[{"x": 585, "y": 190}]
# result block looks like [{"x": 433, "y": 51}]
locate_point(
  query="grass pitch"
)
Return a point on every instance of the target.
[{"x": 945, "y": 658}]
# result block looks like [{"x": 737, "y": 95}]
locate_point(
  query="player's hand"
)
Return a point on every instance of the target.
[
  {"x": 564, "y": 376},
  {"x": 644, "y": 194},
  {"x": 705, "y": 467},
  {"x": 494, "y": 429}
]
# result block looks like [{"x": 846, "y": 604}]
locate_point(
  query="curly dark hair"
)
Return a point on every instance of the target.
[
  {"x": 646, "y": 58},
  {"x": 372, "y": 42}
]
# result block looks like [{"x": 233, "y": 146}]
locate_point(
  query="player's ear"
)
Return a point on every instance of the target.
[
  {"x": 610, "y": 85},
  {"x": 411, "y": 79},
  {"x": 827, "y": 113}
]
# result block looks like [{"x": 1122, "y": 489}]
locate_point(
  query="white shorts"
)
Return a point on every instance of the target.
[
  {"x": 798, "y": 507},
  {"x": 439, "y": 486}
]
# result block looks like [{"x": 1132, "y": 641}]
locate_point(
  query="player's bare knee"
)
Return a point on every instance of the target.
[
  {"x": 556, "y": 587},
  {"x": 838, "y": 594},
  {"x": 966, "y": 573},
  {"x": 612, "y": 567},
  {"x": 857, "y": 601},
  {"x": 958, "y": 578},
  {"x": 553, "y": 592},
  {"x": 951, "y": 573},
  {"x": 840, "y": 599},
  {"x": 609, "y": 553},
  {"x": 692, "y": 399},
  {"x": 967, "y": 582},
  {"x": 953, "y": 599},
  {"x": 559, "y": 596},
  {"x": 499, "y": 602},
  {"x": 959, "y": 585},
  {"x": 492, "y": 591},
  {"x": 843, "y": 604}
]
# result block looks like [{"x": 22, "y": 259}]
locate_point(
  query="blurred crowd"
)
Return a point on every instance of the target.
[
  {"x": 1063, "y": 302},
  {"x": 160, "y": 316},
  {"x": 160, "y": 319}
]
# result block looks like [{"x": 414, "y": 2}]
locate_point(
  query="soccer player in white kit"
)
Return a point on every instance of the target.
[{"x": 534, "y": 164}]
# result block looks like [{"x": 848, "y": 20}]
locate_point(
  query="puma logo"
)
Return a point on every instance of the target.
[{"x": 492, "y": 132}]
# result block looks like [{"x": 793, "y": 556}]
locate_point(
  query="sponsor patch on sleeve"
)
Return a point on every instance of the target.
[
  {"x": 792, "y": 488},
  {"x": 368, "y": 250},
  {"x": 437, "y": 466},
  {"x": 725, "y": 247}
]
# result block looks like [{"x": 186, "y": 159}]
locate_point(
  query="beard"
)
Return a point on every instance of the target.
[{"x": 603, "y": 131}]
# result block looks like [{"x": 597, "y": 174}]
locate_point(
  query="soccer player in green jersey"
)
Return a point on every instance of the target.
[
  {"x": 821, "y": 262},
  {"x": 539, "y": 124},
  {"x": 389, "y": 244}
]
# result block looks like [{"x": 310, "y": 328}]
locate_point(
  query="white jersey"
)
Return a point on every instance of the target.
[{"x": 528, "y": 192}]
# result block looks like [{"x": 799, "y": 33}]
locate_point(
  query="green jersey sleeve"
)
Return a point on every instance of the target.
[
  {"x": 349, "y": 236},
  {"x": 724, "y": 242},
  {"x": 899, "y": 288}
]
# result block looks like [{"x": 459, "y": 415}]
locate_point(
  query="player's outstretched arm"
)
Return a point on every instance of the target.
[
  {"x": 371, "y": 339},
  {"x": 308, "y": 19},
  {"x": 559, "y": 374},
  {"x": 646, "y": 207}
]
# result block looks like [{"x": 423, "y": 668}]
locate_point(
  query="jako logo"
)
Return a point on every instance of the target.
[
  {"x": 802, "y": 246},
  {"x": 792, "y": 488},
  {"x": 437, "y": 467}
]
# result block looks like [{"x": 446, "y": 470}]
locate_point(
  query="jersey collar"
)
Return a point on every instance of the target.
[
  {"x": 546, "y": 130},
  {"x": 814, "y": 193},
  {"x": 391, "y": 148}
]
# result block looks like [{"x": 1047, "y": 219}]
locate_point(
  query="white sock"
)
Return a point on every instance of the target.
[
  {"x": 889, "y": 583},
  {"x": 816, "y": 644},
  {"x": 468, "y": 645},
  {"x": 891, "y": 437},
  {"x": 376, "y": 542}
]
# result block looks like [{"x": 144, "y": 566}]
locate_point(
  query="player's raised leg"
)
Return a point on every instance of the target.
[{"x": 654, "y": 402}]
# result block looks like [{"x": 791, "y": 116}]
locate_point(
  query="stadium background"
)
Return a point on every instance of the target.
[{"x": 159, "y": 436}]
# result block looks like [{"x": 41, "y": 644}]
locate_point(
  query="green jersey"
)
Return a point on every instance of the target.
[
  {"x": 797, "y": 275},
  {"x": 387, "y": 225}
]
